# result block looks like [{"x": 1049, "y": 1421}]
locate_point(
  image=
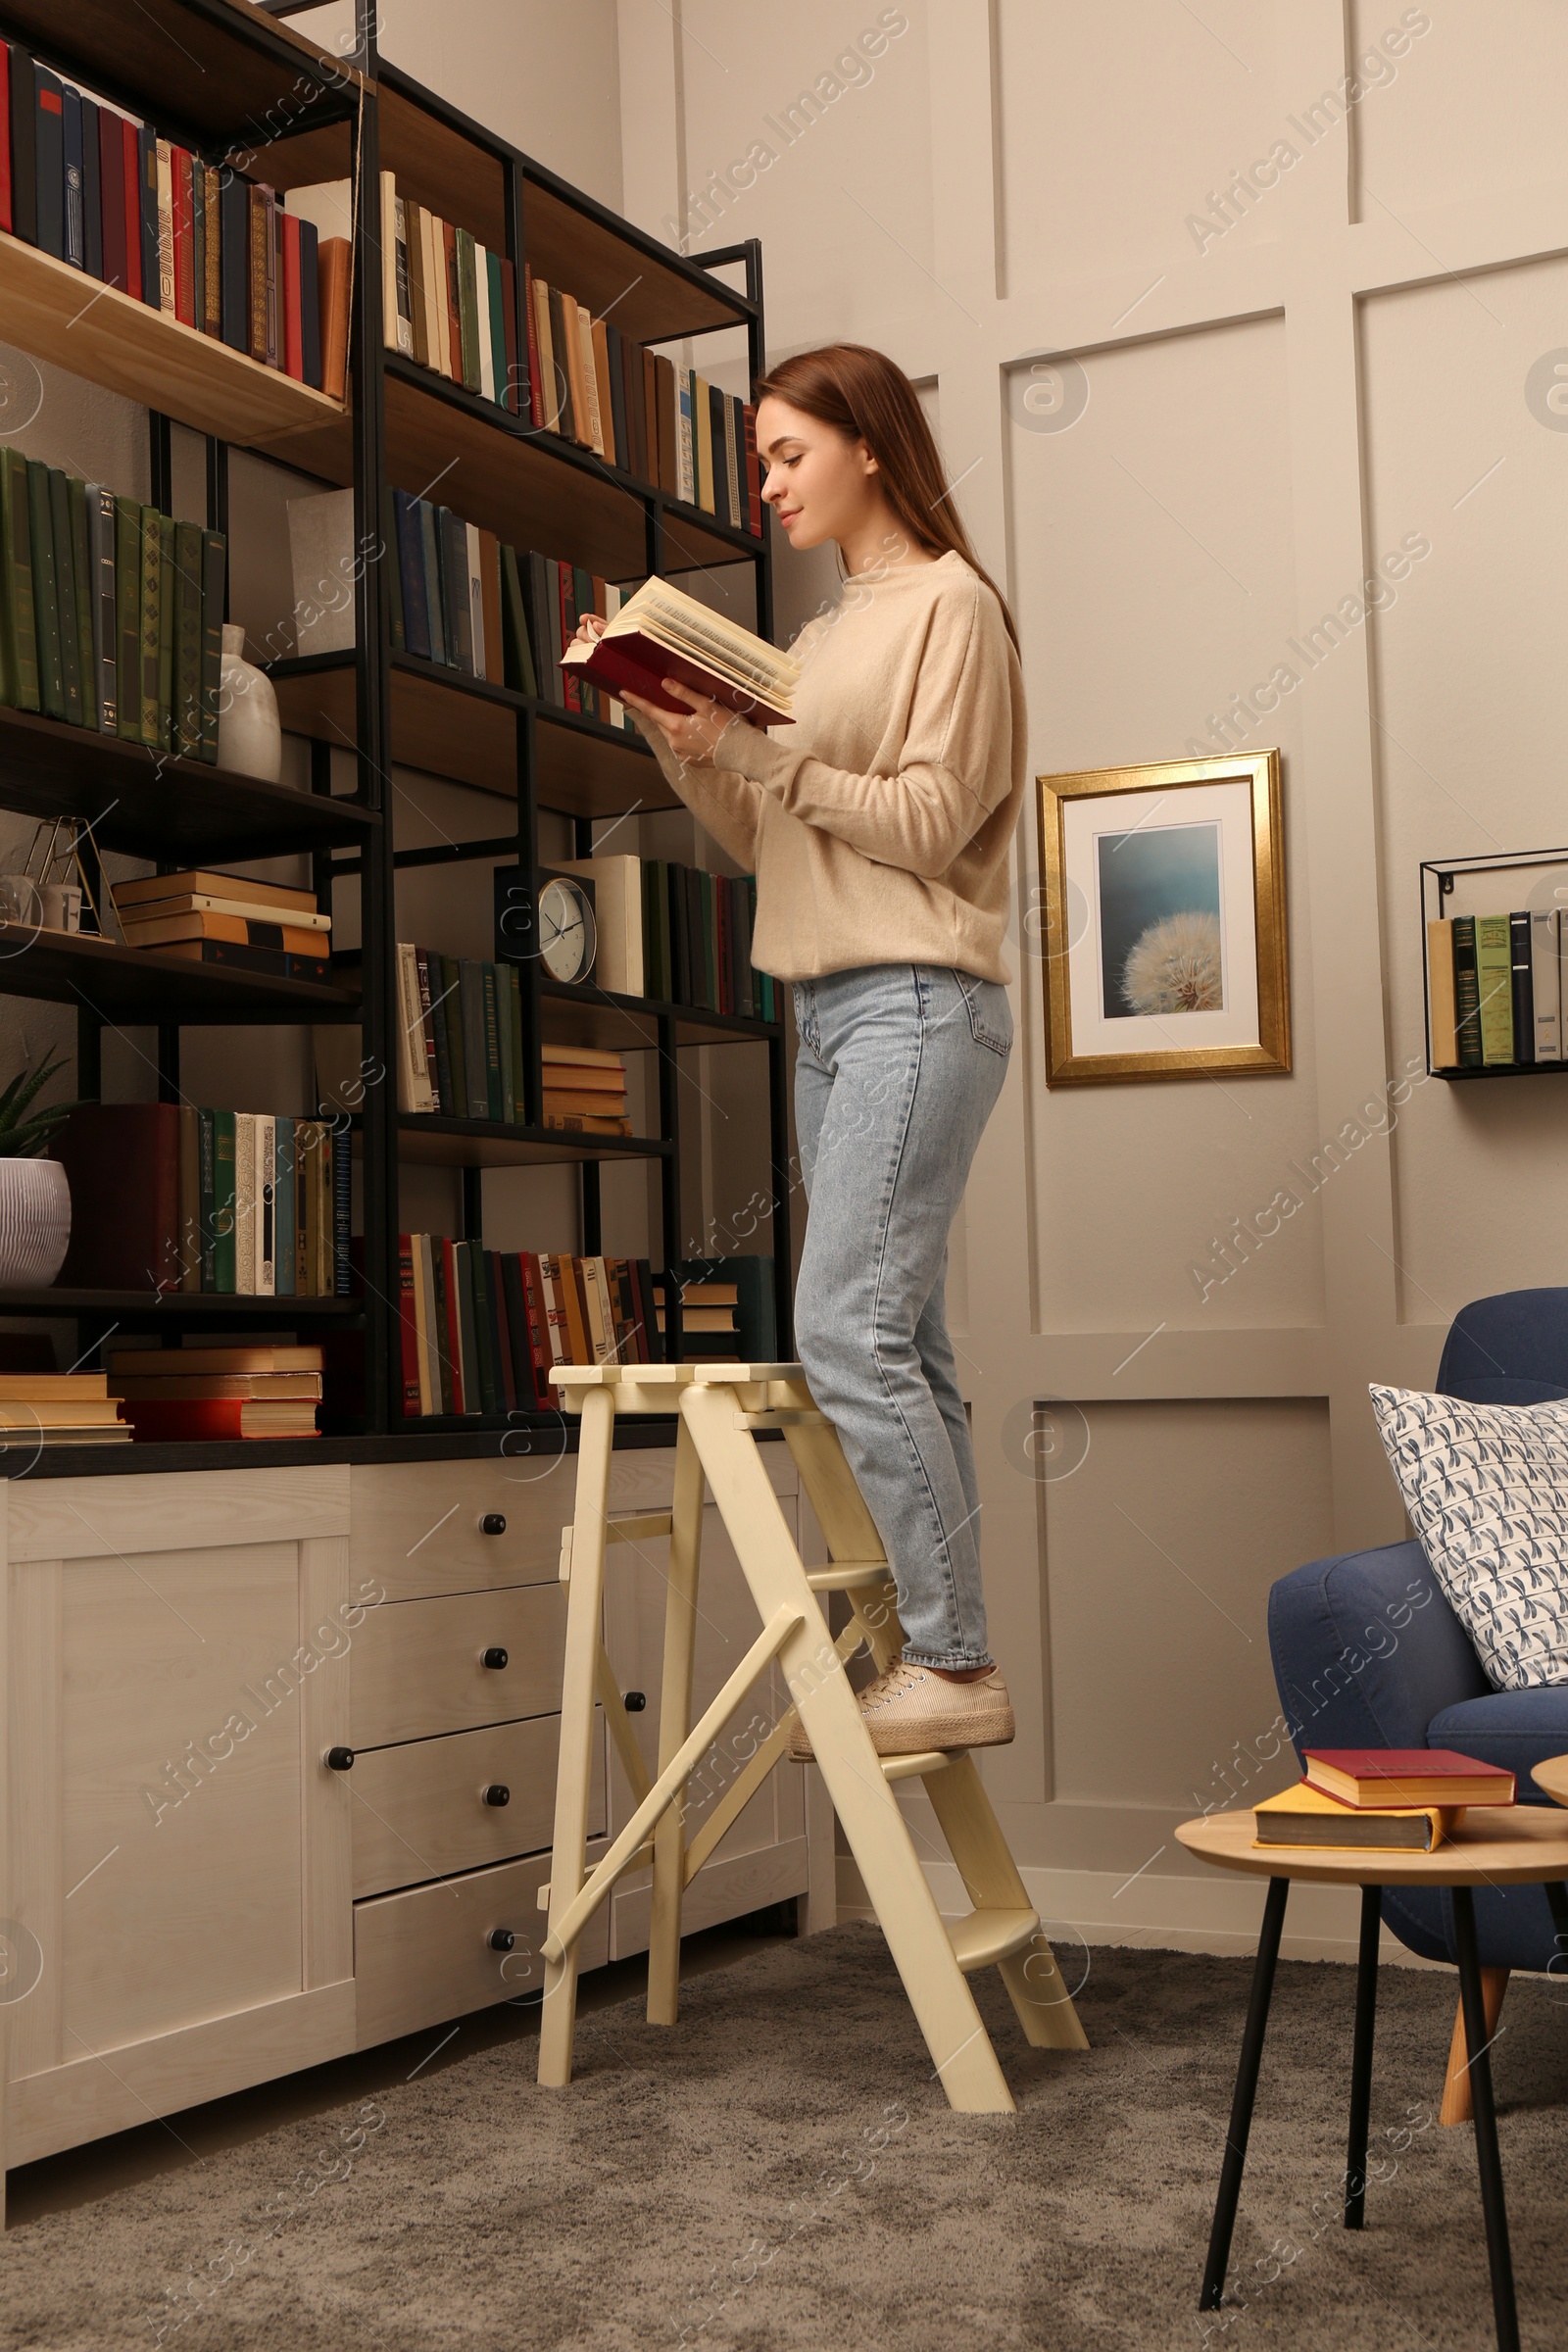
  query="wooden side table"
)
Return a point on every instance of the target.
[{"x": 1494, "y": 1845}]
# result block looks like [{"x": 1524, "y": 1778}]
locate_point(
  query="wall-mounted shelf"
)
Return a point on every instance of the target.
[{"x": 1506, "y": 883}]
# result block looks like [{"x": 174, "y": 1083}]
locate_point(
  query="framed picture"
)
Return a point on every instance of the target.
[{"x": 1163, "y": 946}]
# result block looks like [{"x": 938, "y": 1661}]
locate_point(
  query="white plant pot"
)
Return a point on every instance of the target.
[
  {"x": 34, "y": 1222},
  {"x": 250, "y": 739}
]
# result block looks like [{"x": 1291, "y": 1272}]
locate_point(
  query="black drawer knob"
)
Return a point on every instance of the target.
[
  {"x": 494, "y": 1656},
  {"x": 339, "y": 1759},
  {"x": 500, "y": 1940},
  {"x": 494, "y": 1523},
  {"x": 498, "y": 1794},
  {"x": 635, "y": 1701}
]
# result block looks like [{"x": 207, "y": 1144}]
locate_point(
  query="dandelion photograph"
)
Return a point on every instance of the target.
[
  {"x": 1161, "y": 939},
  {"x": 1164, "y": 948}
]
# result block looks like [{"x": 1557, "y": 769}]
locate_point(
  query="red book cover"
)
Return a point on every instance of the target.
[
  {"x": 568, "y": 623},
  {"x": 504, "y": 1363},
  {"x": 195, "y": 1420},
  {"x": 184, "y": 235},
  {"x": 408, "y": 1332},
  {"x": 5, "y": 136},
  {"x": 293, "y": 352},
  {"x": 509, "y": 331},
  {"x": 538, "y": 1326},
  {"x": 754, "y": 474},
  {"x": 637, "y": 661},
  {"x": 1335, "y": 1771},
  {"x": 460, "y": 1402},
  {"x": 131, "y": 181},
  {"x": 122, "y": 1162},
  {"x": 112, "y": 195}
]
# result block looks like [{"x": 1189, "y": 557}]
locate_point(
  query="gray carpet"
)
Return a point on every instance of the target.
[{"x": 781, "y": 2171}]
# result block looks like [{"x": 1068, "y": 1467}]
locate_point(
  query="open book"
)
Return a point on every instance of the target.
[{"x": 661, "y": 632}]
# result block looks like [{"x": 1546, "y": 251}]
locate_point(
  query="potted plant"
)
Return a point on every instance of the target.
[{"x": 34, "y": 1195}]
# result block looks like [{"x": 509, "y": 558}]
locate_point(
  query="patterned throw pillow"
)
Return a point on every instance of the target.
[{"x": 1487, "y": 1490}]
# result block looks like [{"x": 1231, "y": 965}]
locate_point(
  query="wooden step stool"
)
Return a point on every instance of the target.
[{"x": 722, "y": 1408}]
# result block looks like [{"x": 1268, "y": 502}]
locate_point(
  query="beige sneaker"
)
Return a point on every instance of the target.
[{"x": 910, "y": 1709}]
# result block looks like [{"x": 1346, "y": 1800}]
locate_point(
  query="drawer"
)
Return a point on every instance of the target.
[
  {"x": 423, "y": 1956},
  {"x": 418, "y": 1528},
  {"x": 420, "y": 1809},
  {"x": 418, "y": 1666}
]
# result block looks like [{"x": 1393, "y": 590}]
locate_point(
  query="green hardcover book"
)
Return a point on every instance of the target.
[
  {"x": 709, "y": 941},
  {"x": 215, "y": 562},
  {"x": 492, "y": 1042},
  {"x": 17, "y": 631},
  {"x": 521, "y": 676},
  {"x": 127, "y": 608},
  {"x": 45, "y": 591},
  {"x": 84, "y": 585},
  {"x": 152, "y": 584},
  {"x": 1466, "y": 995},
  {"x": 467, "y": 1334},
  {"x": 498, "y": 361},
  {"x": 667, "y": 944},
  {"x": 204, "y": 1178},
  {"x": 500, "y": 985},
  {"x": 520, "y": 1092},
  {"x": 186, "y": 703},
  {"x": 1494, "y": 986},
  {"x": 452, "y": 1015},
  {"x": 469, "y": 310},
  {"x": 490, "y": 1397},
  {"x": 167, "y": 632},
  {"x": 224, "y": 1201},
  {"x": 65, "y": 592},
  {"x": 429, "y": 540}
]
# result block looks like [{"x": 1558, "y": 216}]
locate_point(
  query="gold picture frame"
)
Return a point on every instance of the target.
[{"x": 1209, "y": 978}]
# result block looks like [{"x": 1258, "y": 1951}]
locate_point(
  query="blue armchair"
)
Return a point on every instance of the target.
[{"x": 1368, "y": 1653}]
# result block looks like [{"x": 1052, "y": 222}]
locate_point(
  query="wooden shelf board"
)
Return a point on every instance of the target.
[
  {"x": 447, "y": 725},
  {"x": 584, "y": 1016},
  {"x": 461, "y": 179},
  {"x": 130, "y": 986},
  {"x": 210, "y": 1305},
  {"x": 652, "y": 301},
  {"x": 149, "y": 805},
  {"x": 477, "y": 1144},
  {"x": 59, "y": 314},
  {"x": 222, "y": 67}
]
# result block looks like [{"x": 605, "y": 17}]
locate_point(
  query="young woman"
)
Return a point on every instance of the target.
[{"x": 878, "y": 827}]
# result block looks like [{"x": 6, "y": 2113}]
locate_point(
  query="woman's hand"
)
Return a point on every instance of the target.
[{"x": 692, "y": 735}]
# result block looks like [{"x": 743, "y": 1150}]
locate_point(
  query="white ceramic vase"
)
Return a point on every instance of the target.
[
  {"x": 250, "y": 739},
  {"x": 34, "y": 1222}
]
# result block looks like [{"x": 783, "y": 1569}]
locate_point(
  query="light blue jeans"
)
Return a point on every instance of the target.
[{"x": 899, "y": 1068}]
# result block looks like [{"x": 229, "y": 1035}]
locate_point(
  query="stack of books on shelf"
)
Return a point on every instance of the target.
[
  {"x": 168, "y": 1196},
  {"x": 447, "y": 301},
  {"x": 726, "y": 1308},
  {"x": 222, "y": 254},
  {"x": 482, "y": 1328},
  {"x": 658, "y": 421},
  {"x": 1494, "y": 989},
  {"x": 110, "y": 614},
  {"x": 460, "y": 1036},
  {"x": 174, "y": 1395},
  {"x": 1361, "y": 1798},
  {"x": 56, "y": 1409},
  {"x": 228, "y": 920},
  {"x": 585, "y": 1090}
]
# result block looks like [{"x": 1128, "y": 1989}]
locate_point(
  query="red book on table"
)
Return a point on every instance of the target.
[
  {"x": 1385, "y": 1776},
  {"x": 293, "y": 352}
]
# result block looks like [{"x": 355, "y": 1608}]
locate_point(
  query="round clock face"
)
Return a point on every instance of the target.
[{"x": 565, "y": 930}]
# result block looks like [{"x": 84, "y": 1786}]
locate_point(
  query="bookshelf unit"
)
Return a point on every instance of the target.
[
  {"x": 1537, "y": 881},
  {"x": 226, "y": 78}
]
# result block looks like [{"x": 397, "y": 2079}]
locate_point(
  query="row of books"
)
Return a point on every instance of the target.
[
  {"x": 221, "y": 252},
  {"x": 656, "y": 420},
  {"x": 1494, "y": 989},
  {"x": 176, "y": 1396},
  {"x": 58, "y": 1408},
  {"x": 170, "y": 1197},
  {"x": 482, "y": 1328},
  {"x": 459, "y": 1030},
  {"x": 676, "y": 933},
  {"x": 447, "y": 301},
  {"x": 1362, "y": 1798},
  {"x": 111, "y": 613},
  {"x": 228, "y": 920}
]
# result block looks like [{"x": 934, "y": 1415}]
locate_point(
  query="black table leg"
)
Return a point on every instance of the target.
[
  {"x": 1241, "y": 2124},
  {"x": 1488, "y": 2162},
  {"x": 1366, "y": 2002}
]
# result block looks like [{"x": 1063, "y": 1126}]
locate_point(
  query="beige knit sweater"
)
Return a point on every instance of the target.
[{"x": 878, "y": 823}]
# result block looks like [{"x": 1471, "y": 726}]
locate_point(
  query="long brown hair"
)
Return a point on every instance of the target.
[{"x": 864, "y": 396}]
